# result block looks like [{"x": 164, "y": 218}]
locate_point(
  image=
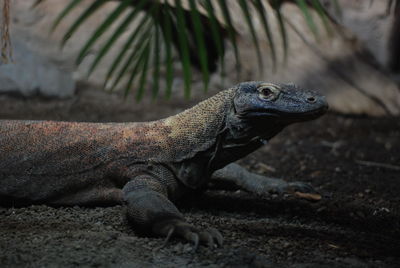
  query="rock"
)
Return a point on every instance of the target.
[
  {"x": 29, "y": 75},
  {"x": 369, "y": 21}
]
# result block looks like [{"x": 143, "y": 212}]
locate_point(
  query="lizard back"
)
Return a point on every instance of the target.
[{"x": 49, "y": 148}]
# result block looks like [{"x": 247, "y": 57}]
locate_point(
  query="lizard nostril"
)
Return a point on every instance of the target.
[{"x": 311, "y": 99}]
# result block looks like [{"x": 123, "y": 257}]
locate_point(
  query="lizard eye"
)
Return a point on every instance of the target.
[{"x": 267, "y": 93}]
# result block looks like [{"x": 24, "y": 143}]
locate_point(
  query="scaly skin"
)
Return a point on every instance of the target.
[{"x": 149, "y": 165}]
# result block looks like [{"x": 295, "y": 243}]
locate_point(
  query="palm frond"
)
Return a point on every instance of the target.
[
  {"x": 68, "y": 9},
  {"x": 231, "y": 30},
  {"x": 156, "y": 63},
  {"x": 259, "y": 6},
  {"x": 134, "y": 57},
  {"x": 82, "y": 18},
  {"x": 184, "y": 47},
  {"x": 102, "y": 29},
  {"x": 167, "y": 30},
  {"x": 216, "y": 35},
  {"x": 276, "y": 5},
  {"x": 144, "y": 61},
  {"x": 249, "y": 21},
  {"x": 199, "y": 34},
  {"x": 196, "y": 30},
  {"x": 307, "y": 15},
  {"x": 108, "y": 45}
]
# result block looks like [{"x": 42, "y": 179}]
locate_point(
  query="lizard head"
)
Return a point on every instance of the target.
[
  {"x": 260, "y": 110},
  {"x": 281, "y": 103}
]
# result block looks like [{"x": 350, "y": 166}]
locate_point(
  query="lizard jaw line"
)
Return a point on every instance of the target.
[{"x": 308, "y": 115}]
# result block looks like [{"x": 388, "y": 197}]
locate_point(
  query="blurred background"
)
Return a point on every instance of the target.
[{"x": 350, "y": 52}]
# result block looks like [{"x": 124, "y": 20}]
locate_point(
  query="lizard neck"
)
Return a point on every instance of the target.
[
  {"x": 196, "y": 129},
  {"x": 202, "y": 119},
  {"x": 188, "y": 139},
  {"x": 234, "y": 146}
]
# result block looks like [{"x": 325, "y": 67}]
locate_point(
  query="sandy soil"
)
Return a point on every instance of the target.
[{"x": 353, "y": 161}]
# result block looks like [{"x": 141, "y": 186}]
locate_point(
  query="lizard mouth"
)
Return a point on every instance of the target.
[{"x": 274, "y": 114}]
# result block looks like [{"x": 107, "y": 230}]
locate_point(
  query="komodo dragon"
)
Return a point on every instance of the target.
[{"x": 149, "y": 165}]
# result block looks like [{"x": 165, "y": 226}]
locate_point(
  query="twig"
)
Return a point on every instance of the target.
[
  {"x": 376, "y": 164},
  {"x": 6, "y": 50}
]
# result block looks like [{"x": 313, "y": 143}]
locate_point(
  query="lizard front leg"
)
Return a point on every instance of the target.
[
  {"x": 149, "y": 209},
  {"x": 261, "y": 185}
]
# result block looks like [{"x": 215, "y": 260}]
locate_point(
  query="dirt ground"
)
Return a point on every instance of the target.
[{"x": 353, "y": 161}]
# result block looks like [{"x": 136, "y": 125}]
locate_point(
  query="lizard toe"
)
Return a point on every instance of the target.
[
  {"x": 192, "y": 237},
  {"x": 305, "y": 191},
  {"x": 217, "y": 236},
  {"x": 302, "y": 187},
  {"x": 169, "y": 235},
  {"x": 207, "y": 238},
  {"x": 211, "y": 237}
]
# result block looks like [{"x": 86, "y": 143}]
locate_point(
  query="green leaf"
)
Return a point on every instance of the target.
[
  {"x": 63, "y": 13},
  {"x": 102, "y": 29},
  {"x": 142, "y": 82},
  {"x": 156, "y": 63},
  {"x": 136, "y": 61},
  {"x": 184, "y": 47},
  {"x": 263, "y": 17},
  {"x": 338, "y": 9},
  {"x": 231, "y": 30},
  {"x": 307, "y": 15},
  {"x": 282, "y": 30},
  {"x": 216, "y": 34},
  {"x": 128, "y": 44},
  {"x": 199, "y": 34},
  {"x": 85, "y": 15},
  {"x": 247, "y": 17},
  {"x": 141, "y": 41},
  {"x": 322, "y": 14},
  {"x": 142, "y": 49},
  {"x": 116, "y": 35},
  {"x": 168, "y": 52}
]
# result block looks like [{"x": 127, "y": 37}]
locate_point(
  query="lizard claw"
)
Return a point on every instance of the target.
[
  {"x": 169, "y": 235},
  {"x": 205, "y": 236},
  {"x": 304, "y": 191},
  {"x": 217, "y": 236},
  {"x": 192, "y": 237},
  {"x": 210, "y": 237},
  {"x": 302, "y": 187}
]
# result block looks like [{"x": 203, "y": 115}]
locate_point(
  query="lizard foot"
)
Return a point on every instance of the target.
[
  {"x": 280, "y": 187},
  {"x": 176, "y": 227}
]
